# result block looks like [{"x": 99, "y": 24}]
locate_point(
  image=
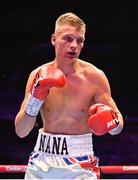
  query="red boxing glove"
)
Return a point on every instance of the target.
[
  {"x": 102, "y": 119},
  {"x": 45, "y": 78}
]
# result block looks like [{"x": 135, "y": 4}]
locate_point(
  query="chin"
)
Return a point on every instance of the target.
[{"x": 72, "y": 58}]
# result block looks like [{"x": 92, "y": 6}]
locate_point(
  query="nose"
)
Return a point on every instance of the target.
[{"x": 74, "y": 44}]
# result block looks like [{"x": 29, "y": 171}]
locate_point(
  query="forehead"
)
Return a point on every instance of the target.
[{"x": 68, "y": 29}]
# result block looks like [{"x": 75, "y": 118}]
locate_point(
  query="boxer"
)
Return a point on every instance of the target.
[{"x": 74, "y": 100}]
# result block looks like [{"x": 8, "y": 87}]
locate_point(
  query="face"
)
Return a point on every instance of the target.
[{"x": 68, "y": 43}]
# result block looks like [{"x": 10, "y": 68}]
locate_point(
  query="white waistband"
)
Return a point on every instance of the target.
[{"x": 64, "y": 145}]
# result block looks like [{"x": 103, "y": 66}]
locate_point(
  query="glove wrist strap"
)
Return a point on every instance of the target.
[
  {"x": 116, "y": 130},
  {"x": 33, "y": 106}
]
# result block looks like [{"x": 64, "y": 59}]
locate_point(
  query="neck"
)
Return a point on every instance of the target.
[{"x": 67, "y": 68}]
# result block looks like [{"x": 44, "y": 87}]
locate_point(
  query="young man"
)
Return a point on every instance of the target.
[{"x": 74, "y": 100}]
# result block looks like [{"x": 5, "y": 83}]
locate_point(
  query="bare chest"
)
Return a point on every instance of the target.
[
  {"x": 68, "y": 104},
  {"x": 76, "y": 94}
]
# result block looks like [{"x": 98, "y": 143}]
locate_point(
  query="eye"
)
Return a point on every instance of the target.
[
  {"x": 80, "y": 40},
  {"x": 68, "y": 38}
]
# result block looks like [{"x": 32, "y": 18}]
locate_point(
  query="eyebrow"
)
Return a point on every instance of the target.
[{"x": 76, "y": 37}]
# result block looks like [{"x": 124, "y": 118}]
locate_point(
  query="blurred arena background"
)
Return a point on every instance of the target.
[{"x": 111, "y": 44}]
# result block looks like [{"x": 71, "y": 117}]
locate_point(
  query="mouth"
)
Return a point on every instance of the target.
[{"x": 72, "y": 54}]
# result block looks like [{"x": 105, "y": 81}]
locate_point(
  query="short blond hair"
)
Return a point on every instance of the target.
[{"x": 70, "y": 19}]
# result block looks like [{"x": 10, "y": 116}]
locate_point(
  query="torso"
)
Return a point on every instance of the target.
[{"x": 65, "y": 110}]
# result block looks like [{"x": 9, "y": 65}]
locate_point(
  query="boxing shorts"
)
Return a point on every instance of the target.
[{"x": 58, "y": 156}]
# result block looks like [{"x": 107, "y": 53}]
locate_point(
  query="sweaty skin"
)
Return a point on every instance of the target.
[{"x": 65, "y": 110}]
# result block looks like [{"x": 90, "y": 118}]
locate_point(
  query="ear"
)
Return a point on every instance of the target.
[{"x": 53, "y": 39}]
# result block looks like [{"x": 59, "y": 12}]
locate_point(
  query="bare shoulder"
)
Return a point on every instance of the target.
[
  {"x": 94, "y": 75},
  {"x": 33, "y": 72},
  {"x": 90, "y": 69}
]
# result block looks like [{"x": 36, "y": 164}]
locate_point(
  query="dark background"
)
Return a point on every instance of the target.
[{"x": 111, "y": 45}]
